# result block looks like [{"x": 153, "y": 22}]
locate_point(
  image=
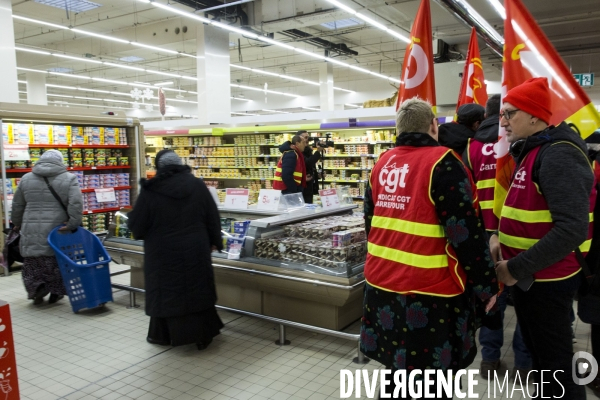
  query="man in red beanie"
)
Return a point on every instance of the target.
[{"x": 544, "y": 228}]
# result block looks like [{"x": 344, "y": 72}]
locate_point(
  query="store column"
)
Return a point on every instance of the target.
[
  {"x": 36, "y": 88},
  {"x": 213, "y": 72},
  {"x": 326, "y": 88},
  {"x": 8, "y": 66}
]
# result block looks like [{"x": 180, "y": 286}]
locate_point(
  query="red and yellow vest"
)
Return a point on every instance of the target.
[
  {"x": 483, "y": 164},
  {"x": 278, "y": 182},
  {"x": 408, "y": 251},
  {"x": 525, "y": 219}
]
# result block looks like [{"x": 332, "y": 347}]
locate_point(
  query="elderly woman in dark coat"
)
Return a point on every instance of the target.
[
  {"x": 36, "y": 212},
  {"x": 179, "y": 222}
]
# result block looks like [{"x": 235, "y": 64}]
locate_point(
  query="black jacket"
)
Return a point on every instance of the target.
[
  {"x": 565, "y": 178},
  {"x": 288, "y": 166},
  {"x": 178, "y": 220},
  {"x": 454, "y": 136},
  {"x": 488, "y": 130}
]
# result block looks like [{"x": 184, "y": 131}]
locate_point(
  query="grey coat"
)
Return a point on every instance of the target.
[{"x": 37, "y": 212}]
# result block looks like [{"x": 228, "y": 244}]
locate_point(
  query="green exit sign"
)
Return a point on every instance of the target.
[{"x": 584, "y": 79}]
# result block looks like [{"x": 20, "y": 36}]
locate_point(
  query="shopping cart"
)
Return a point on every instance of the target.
[{"x": 83, "y": 263}]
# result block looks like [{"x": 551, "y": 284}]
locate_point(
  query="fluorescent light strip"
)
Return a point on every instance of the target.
[
  {"x": 353, "y": 105},
  {"x": 238, "y": 113},
  {"x": 498, "y": 7},
  {"x": 90, "y": 105},
  {"x": 309, "y": 108},
  {"x": 482, "y": 22},
  {"x": 253, "y": 36},
  {"x": 239, "y": 98},
  {"x": 370, "y": 21},
  {"x": 262, "y": 90},
  {"x": 275, "y": 111},
  {"x": 258, "y": 71},
  {"x": 149, "y": 86}
]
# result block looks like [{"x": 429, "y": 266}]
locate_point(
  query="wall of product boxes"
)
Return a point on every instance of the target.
[
  {"x": 249, "y": 161},
  {"x": 99, "y": 156}
]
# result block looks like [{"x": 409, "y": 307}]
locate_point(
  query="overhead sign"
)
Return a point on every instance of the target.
[{"x": 584, "y": 80}]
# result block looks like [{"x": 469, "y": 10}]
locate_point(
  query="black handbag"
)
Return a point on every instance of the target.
[{"x": 11, "y": 251}]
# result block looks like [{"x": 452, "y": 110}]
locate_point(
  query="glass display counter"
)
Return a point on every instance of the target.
[{"x": 286, "y": 268}]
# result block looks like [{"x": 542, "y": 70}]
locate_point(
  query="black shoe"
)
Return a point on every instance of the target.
[
  {"x": 204, "y": 345},
  {"x": 39, "y": 294},
  {"x": 54, "y": 298},
  {"x": 154, "y": 341}
]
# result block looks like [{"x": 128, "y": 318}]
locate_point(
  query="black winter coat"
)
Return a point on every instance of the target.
[
  {"x": 454, "y": 136},
  {"x": 178, "y": 220}
]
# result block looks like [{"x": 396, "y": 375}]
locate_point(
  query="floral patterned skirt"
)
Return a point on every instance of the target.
[
  {"x": 42, "y": 270},
  {"x": 418, "y": 331}
]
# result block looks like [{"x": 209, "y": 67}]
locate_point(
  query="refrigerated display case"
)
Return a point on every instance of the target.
[{"x": 302, "y": 282}]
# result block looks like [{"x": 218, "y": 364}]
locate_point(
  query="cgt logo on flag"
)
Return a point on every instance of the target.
[{"x": 585, "y": 365}]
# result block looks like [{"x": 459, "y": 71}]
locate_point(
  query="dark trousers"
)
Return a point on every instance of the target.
[{"x": 544, "y": 317}]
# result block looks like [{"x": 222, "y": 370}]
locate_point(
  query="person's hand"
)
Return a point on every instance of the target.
[
  {"x": 319, "y": 147},
  {"x": 308, "y": 178},
  {"x": 16, "y": 228},
  {"x": 495, "y": 249},
  {"x": 490, "y": 303},
  {"x": 503, "y": 274},
  {"x": 63, "y": 228},
  {"x": 213, "y": 248}
]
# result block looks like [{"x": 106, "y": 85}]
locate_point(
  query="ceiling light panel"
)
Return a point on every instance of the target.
[
  {"x": 131, "y": 59},
  {"x": 60, "y": 69},
  {"x": 76, "y": 6}
]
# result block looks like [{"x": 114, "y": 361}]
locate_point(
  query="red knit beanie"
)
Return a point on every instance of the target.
[{"x": 533, "y": 97}]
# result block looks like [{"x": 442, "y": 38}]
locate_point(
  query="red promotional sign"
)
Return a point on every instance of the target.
[
  {"x": 417, "y": 68},
  {"x": 529, "y": 54},
  {"x": 472, "y": 87},
  {"x": 9, "y": 383}
]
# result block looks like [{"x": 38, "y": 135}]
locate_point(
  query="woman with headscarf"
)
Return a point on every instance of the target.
[
  {"x": 35, "y": 211},
  {"x": 179, "y": 222}
]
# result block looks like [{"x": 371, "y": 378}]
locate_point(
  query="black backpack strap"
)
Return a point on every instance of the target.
[{"x": 56, "y": 196}]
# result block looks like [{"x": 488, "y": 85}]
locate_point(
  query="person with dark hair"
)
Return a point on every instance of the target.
[
  {"x": 178, "y": 220},
  {"x": 429, "y": 275},
  {"x": 310, "y": 159},
  {"x": 455, "y": 135},
  {"x": 290, "y": 174},
  {"x": 35, "y": 211},
  {"x": 481, "y": 160},
  {"x": 544, "y": 222}
]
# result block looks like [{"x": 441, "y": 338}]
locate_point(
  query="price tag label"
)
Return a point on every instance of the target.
[
  {"x": 329, "y": 199},
  {"x": 236, "y": 198},
  {"x": 268, "y": 199},
  {"x": 105, "y": 195},
  {"x": 16, "y": 152}
]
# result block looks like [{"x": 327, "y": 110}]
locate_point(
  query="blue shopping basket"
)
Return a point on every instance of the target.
[{"x": 83, "y": 263}]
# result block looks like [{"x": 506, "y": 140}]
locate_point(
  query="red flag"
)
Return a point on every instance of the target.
[
  {"x": 528, "y": 54},
  {"x": 417, "y": 68},
  {"x": 472, "y": 87}
]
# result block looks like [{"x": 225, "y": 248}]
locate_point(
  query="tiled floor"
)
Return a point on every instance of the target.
[{"x": 102, "y": 354}]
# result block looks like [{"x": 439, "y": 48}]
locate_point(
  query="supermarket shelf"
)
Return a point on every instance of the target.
[
  {"x": 116, "y": 188},
  {"x": 103, "y": 210},
  {"x": 71, "y": 169},
  {"x": 79, "y": 146},
  {"x": 358, "y": 197},
  {"x": 231, "y": 167},
  {"x": 232, "y": 156},
  {"x": 358, "y": 143},
  {"x": 215, "y": 145},
  {"x": 247, "y": 179},
  {"x": 350, "y": 155}
]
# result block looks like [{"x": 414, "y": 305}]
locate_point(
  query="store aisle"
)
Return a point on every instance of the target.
[{"x": 102, "y": 354}]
